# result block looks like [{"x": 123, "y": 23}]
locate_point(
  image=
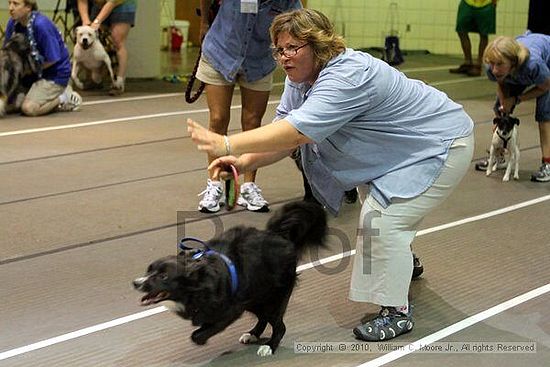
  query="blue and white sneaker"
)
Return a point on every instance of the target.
[{"x": 387, "y": 325}]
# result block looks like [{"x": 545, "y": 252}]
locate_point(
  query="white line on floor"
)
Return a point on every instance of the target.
[
  {"x": 111, "y": 121},
  {"x": 397, "y": 354}
]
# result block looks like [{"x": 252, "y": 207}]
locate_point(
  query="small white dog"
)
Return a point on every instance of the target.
[
  {"x": 90, "y": 54},
  {"x": 505, "y": 139}
]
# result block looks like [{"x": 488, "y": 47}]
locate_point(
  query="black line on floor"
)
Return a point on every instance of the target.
[{"x": 125, "y": 235}]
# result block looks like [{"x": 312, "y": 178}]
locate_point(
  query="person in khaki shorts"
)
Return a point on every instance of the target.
[
  {"x": 47, "y": 88},
  {"x": 477, "y": 16},
  {"x": 236, "y": 50}
]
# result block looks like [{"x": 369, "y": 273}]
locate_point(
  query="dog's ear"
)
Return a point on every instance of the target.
[
  {"x": 514, "y": 120},
  {"x": 497, "y": 120}
]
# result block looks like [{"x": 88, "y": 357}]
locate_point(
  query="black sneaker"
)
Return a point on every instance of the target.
[
  {"x": 462, "y": 69},
  {"x": 418, "y": 268},
  {"x": 387, "y": 325},
  {"x": 351, "y": 196}
]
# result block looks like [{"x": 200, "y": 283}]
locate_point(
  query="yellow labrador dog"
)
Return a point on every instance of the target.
[{"x": 90, "y": 54}]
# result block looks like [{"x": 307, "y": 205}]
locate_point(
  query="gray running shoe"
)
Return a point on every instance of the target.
[
  {"x": 251, "y": 198},
  {"x": 212, "y": 197},
  {"x": 543, "y": 174}
]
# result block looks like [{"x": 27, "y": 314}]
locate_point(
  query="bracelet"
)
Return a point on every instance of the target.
[
  {"x": 96, "y": 21},
  {"x": 227, "y": 145}
]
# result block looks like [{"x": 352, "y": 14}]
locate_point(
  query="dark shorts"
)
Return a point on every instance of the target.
[
  {"x": 542, "y": 109},
  {"x": 115, "y": 16},
  {"x": 476, "y": 20}
]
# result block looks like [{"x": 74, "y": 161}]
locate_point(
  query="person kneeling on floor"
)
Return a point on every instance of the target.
[{"x": 47, "y": 88}]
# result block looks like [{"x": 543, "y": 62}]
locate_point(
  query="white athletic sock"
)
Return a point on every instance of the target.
[
  {"x": 403, "y": 309},
  {"x": 63, "y": 97}
]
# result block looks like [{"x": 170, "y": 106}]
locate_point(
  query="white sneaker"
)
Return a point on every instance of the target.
[
  {"x": 212, "y": 197},
  {"x": 73, "y": 102},
  {"x": 251, "y": 198}
]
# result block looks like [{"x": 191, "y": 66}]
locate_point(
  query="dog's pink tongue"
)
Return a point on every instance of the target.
[{"x": 154, "y": 298}]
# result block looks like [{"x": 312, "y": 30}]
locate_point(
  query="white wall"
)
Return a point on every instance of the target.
[{"x": 432, "y": 22}]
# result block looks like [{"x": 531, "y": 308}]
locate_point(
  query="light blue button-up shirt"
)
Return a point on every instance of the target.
[
  {"x": 371, "y": 124},
  {"x": 239, "y": 43}
]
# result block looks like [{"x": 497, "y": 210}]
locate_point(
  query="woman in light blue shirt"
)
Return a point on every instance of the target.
[{"x": 358, "y": 122}]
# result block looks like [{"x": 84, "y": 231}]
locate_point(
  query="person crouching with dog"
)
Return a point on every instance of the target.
[
  {"x": 359, "y": 123},
  {"x": 48, "y": 82},
  {"x": 521, "y": 68}
]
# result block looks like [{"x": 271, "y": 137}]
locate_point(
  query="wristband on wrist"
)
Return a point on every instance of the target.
[
  {"x": 227, "y": 145},
  {"x": 96, "y": 21}
]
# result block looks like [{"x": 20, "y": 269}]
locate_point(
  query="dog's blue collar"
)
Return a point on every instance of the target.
[{"x": 230, "y": 266}]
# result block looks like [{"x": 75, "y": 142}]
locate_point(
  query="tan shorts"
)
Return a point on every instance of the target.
[
  {"x": 207, "y": 74},
  {"x": 43, "y": 91}
]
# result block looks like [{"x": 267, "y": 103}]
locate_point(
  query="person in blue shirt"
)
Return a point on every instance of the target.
[
  {"x": 48, "y": 88},
  {"x": 521, "y": 68},
  {"x": 358, "y": 123},
  {"x": 236, "y": 50}
]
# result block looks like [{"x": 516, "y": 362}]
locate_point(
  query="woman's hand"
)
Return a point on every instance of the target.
[
  {"x": 507, "y": 105},
  {"x": 220, "y": 168},
  {"x": 206, "y": 140}
]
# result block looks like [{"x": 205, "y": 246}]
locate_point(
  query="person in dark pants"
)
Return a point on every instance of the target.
[
  {"x": 478, "y": 16},
  {"x": 537, "y": 21}
]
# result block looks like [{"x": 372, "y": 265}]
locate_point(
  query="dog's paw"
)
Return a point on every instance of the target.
[
  {"x": 19, "y": 100},
  {"x": 2, "y": 108},
  {"x": 247, "y": 338},
  {"x": 197, "y": 338},
  {"x": 264, "y": 351},
  {"x": 78, "y": 84},
  {"x": 516, "y": 177},
  {"x": 506, "y": 179}
]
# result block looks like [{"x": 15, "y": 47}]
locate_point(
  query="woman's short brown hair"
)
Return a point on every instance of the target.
[
  {"x": 312, "y": 27},
  {"x": 506, "y": 48}
]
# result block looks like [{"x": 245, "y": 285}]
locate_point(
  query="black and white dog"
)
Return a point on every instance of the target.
[
  {"x": 15, "y": 63},
  {"x": 243, "y": 269},
  {"x": 505, "y": 140}
]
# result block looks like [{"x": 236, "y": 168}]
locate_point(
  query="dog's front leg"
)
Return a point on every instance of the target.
[
  {"x": 506, "y": 177},
  {"x": 74, "y": 75},
  {"x": 515, "y": 154},
  {"x": 107, "y": 61},
  {"x": 206, "y": 331},
  {"x": 490, "y": 161}
]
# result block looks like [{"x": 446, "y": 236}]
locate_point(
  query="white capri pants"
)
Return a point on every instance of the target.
[{"x": 383, "y": 263}]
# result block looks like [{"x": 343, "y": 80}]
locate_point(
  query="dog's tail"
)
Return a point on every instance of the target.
[{"x": 301, "y": 222}]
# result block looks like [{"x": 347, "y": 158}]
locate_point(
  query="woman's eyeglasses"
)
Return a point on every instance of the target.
[{"x": 290, "y": 51}]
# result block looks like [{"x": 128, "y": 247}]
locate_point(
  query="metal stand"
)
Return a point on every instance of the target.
[{"x": 61, "y": 17}]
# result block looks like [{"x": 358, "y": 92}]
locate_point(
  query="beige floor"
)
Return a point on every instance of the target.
[{"x": 88, "y": 199}]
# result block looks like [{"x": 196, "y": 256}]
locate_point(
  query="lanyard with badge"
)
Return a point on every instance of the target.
[{"x": 249, "y": 6}]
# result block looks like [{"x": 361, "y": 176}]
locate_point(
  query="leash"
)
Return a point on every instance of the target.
[
  {"x": 208, "y": 251},
  {"x": 190, "y": 98}
]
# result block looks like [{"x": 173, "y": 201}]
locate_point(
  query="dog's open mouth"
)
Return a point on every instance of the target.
[{"x": 152, "y": 298}]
